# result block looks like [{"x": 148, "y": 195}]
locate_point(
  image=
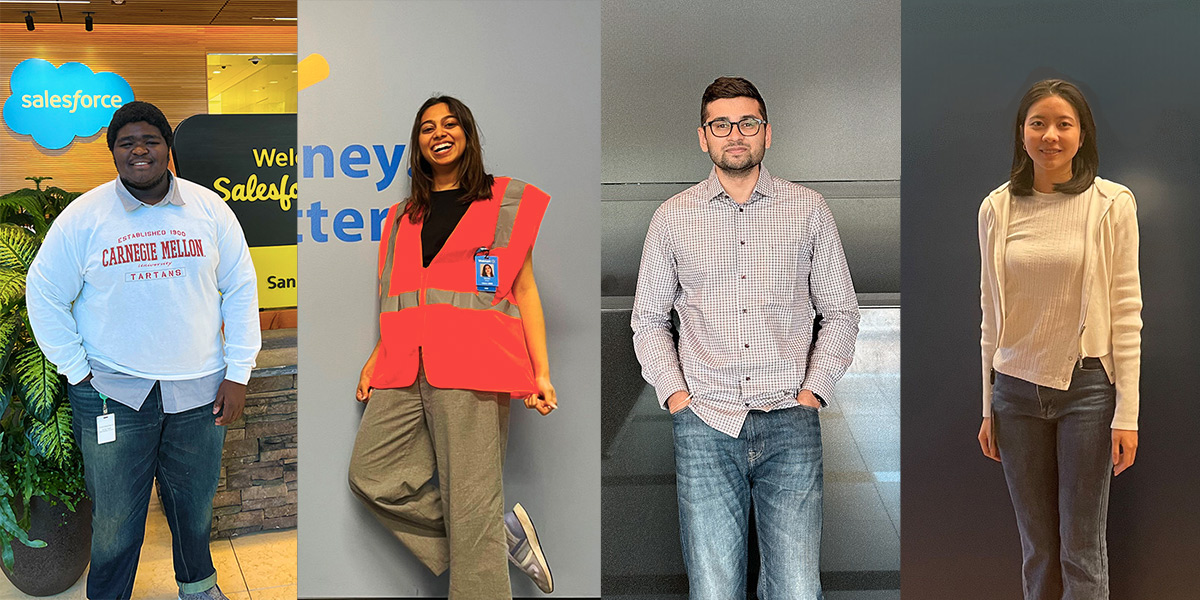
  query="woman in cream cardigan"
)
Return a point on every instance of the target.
[{"x": 1061, "y": 341}]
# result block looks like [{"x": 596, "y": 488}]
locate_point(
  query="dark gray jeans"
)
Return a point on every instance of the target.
[
  {"x": 183, "y": 452},
  {"x": 1056, "y": 448}
]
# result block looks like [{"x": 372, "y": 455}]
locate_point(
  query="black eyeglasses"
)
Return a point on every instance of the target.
[{"x": 722, "y": 127}]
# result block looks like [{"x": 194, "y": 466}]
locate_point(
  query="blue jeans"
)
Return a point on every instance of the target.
[
  {"x": 774, "y": 464},
  {"x": 183, "y": 451},
  {"x": 1056, "y": 448}
]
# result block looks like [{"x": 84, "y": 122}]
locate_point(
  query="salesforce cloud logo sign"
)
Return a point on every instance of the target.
[{"x": 56, "y": 104}]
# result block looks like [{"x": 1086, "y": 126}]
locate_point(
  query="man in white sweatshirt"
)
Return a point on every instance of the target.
[{"x": 128, "y": 297}]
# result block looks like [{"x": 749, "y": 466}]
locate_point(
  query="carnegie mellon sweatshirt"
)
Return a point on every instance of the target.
[{"x": 145, "y": 290}]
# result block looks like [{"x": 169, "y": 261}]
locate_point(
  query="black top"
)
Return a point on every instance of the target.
[{"x": 445, "y": 211}]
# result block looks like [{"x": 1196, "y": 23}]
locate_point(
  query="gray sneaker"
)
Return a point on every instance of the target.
[
  {"x": 212, "y": 593},
  {"x": 524, "y": 549}
]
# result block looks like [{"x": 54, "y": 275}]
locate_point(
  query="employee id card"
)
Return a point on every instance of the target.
[
  {"x": 487, "y": 276},
  {"x": 106, "y": 424}
]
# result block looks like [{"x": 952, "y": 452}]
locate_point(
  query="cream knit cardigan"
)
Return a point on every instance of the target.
[{"x": 1110, "y": 319}]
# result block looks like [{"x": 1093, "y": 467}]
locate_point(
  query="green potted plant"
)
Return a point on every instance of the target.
[{"x": 45, "y": 516}]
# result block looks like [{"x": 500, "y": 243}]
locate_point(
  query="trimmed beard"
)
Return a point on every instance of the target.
[
  {"x": 752, "y": 159},
  {"x": 145, "y": 186}
]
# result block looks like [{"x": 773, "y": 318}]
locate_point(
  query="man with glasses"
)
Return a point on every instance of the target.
[{"x": 747, "y": 260}]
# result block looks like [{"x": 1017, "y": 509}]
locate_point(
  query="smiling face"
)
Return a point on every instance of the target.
[
  {"x": 1052, "y": 136},
  {"x": 441, "y": 138},
  {"x": 141, "y": 154},
  {"x": 736, "y": 153}
]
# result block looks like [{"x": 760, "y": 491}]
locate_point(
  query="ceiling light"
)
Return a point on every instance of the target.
[
  {"x": 216, "y": 72},
  {"x": 29, "y": 20},
  {"x": 273, "y": 18},
  {"x": 45, "y": 1},
  {"x": 118, "y": 2},
  {"x": 87, "y": 23}
]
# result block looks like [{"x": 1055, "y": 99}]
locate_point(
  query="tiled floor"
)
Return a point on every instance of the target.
[
  {"x": 860, "y": 557},
  {"x": 259, "y": 566}
]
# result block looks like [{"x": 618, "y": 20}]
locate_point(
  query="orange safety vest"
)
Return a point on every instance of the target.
[{"x": 467, "y": 339}]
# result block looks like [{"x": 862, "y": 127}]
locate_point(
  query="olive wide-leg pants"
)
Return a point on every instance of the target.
[{"x": 407, "y": 435}]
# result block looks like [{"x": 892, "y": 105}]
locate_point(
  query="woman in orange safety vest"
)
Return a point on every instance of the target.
[{"x": 461, "y": 331}]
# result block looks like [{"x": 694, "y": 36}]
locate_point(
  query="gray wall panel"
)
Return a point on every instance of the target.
[
  {"x": 530, "y": 72},
  {"x": 829, "y": 71},
  {"x": 869, "y": 228}
]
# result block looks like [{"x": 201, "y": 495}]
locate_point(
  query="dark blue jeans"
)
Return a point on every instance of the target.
[
  {"x": 775, "y": 463},
  {"x": 1056, "y": 448},
  {"x": 183, "y": 451}
]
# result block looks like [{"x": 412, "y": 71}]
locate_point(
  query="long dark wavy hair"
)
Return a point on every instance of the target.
[
  {"x": 474, "y": 181},
  {"x": 1086, "y": 162}
]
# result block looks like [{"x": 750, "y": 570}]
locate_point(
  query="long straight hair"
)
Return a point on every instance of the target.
[
  {"x": 1086, "y": 162},
  {"x": 474, "y": 181}
]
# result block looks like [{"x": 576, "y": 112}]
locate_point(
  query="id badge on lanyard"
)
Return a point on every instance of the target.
[
  {"x": 487, "y": 271},
  {"x": 106, "y": 424}
]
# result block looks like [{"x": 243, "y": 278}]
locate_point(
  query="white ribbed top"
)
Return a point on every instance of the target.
[{"x": 1043, "y": 262}]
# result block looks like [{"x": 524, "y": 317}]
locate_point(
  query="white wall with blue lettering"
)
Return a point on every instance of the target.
[{"x": 530, "y": 72}]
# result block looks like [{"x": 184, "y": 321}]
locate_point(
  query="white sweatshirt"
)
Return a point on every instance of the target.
[{"x": 146, "y": 290}]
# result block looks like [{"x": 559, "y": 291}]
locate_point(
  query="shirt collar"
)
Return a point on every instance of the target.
[
  {"x": 131, "y": 204},
  {"x": 763, "y": 187}
]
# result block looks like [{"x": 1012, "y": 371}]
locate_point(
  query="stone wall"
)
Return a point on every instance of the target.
[{"x": 257, "y": 490}]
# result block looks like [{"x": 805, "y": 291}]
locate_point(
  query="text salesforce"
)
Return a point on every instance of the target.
[{"x": 48, "y": 100}]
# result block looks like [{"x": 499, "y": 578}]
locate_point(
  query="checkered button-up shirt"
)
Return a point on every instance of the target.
[{"x": 747, "y": 281}]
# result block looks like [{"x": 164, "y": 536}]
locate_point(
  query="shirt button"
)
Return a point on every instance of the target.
[
  {"x": 743, "y": 276},
  {"x": 747, "y": 379},
  {"x": 741, "y": 210},
  {"x": 743, "y": 310},
  {"x": 747, "y": 345},
  {"x": 743, "y": 242}
]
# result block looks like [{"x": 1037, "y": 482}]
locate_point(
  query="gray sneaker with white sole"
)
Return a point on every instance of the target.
[{"x": 524, "y": 551}]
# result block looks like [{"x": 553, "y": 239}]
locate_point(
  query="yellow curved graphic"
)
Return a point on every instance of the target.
[{"x": 313, "y": 69}]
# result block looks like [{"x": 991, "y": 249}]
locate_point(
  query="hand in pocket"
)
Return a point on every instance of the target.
[{"x": 678, "y": 401}]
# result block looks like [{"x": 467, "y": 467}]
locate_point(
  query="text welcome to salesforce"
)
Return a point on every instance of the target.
[{"x": 73, "y": 102}]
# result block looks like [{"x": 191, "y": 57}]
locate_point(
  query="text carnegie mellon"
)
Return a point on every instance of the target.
[{"x": 151, "y": 251}]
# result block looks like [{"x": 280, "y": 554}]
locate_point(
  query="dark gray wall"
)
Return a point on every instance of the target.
[{"x": 966, "y": 64}]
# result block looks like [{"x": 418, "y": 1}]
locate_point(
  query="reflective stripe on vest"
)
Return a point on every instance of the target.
[
  {"x": 389, "y": 303},
  {"x": 470, "y": 301},
  {"x": 513, "y": 193}
]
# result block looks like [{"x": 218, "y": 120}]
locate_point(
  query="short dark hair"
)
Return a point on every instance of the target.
[
  {"x": 133, "y": 112},
  {"x": 730, "y": 87},
  {"x": 1086, "y": 162}
]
